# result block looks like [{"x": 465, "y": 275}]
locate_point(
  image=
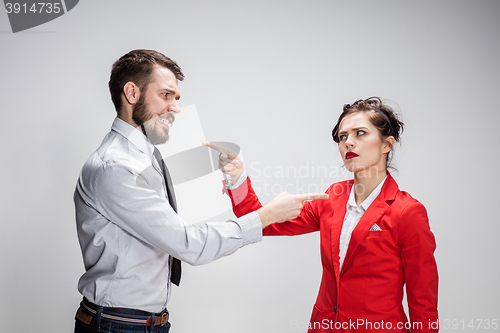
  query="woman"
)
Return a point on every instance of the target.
[{"x": 374, "y": 237}]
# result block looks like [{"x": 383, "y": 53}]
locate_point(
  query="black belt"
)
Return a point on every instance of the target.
[{"x": 120, "y": 316}]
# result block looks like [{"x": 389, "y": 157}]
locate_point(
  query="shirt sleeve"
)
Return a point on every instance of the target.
[
  {"x": 126, "y": 199},
  {"x": 244, "y": 200},
  {"x": 419, "y": 266}
]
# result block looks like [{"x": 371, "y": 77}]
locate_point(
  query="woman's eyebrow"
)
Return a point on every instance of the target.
[
  {"x": 354, "y": 129},
  {"x": 358, "y": 128}
]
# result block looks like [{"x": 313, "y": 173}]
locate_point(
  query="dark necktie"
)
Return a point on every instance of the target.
[{"x": 175, "y": 266}]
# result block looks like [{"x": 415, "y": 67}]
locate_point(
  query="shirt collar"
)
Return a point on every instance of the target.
[
  {"x": 368, "y": 201},
  {"x": 136, "y": 137}
]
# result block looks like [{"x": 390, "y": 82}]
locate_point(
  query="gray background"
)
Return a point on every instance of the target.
[{"x": 272, "y": 77}]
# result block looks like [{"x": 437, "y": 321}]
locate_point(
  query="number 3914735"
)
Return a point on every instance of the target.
[
  {"x": 35, "y": 8},
  {"x": 483, "y": 324}
]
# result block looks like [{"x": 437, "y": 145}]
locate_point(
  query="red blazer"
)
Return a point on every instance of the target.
[{"x": 367, "y": 295}]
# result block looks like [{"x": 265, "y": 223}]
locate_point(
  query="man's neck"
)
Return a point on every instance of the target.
[{"x": 127, "y": 117}]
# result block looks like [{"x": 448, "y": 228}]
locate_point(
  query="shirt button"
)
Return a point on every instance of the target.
[{"x": 335, "y": 309}]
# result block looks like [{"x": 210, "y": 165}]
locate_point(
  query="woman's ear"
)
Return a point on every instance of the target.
[{"x": 388, "y": 144}]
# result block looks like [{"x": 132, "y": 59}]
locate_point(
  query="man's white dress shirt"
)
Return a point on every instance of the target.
[{"x": 127, "y": 228}]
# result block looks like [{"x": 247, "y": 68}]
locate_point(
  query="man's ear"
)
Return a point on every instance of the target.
[{"x": 131, "y": 92}]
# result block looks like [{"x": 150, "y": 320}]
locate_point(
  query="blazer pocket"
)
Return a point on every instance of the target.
[
  {"x": 317, "y": 315},
  {"x": 378, "y": 234}
]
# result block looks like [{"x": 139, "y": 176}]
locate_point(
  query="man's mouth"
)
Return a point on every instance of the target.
[{"x": 168, "y": 122}]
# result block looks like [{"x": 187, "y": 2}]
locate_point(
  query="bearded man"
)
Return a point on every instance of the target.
[{"x": 131, "y": 237}]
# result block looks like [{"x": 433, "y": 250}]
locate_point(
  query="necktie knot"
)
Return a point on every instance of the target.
[{"x": 157, "y": 155}]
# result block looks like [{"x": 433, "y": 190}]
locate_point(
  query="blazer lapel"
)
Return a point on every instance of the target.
[
  {"x": 339, "y": 211},
  {"x": 371, "y": 216}
]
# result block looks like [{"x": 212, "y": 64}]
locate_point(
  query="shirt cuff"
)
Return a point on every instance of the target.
[
  {"x": 229, "y": 183},
  {"x": 252, "y": 228}
]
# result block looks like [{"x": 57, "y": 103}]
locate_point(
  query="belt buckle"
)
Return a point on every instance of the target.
[{"x": 164, "y": 318}]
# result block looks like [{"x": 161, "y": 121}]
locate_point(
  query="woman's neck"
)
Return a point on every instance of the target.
[{"x": 366, "y": 181}]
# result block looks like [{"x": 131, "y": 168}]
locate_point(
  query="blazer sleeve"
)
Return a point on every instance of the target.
[
  {"x": 244, "y": 200},
  {"x": 417, "y": 246}
]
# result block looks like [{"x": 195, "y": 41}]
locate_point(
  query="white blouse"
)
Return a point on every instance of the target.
[{"x": 353, "y": 214}]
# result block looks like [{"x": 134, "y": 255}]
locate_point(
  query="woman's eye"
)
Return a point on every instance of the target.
[
  {"x": 342, "y": 137},
  {"x": 360, "y": 132},
  {"x": 165, "y": 94}
]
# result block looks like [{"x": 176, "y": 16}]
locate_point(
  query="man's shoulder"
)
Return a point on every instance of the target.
[{"x": 116, "y": 151}]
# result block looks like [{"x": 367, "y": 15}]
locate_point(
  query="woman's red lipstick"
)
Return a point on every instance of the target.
[{"x": 351, "y": 155}]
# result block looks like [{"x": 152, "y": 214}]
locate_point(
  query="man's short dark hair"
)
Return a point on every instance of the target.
[{"x": 137, "y": 67}]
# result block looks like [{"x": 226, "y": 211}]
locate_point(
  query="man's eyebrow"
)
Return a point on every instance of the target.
[{"x": 172, "y": 92}]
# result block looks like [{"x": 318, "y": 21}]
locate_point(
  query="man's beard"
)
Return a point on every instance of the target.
[{"x": 140, "y": 115}]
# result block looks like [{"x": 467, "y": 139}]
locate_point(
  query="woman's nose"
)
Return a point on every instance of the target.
[{"x": 349, "y": 142}]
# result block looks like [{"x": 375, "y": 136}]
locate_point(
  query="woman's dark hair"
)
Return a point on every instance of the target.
[
  {"x": 381, "y": 116},
  {"x": 137, "y": 66}
]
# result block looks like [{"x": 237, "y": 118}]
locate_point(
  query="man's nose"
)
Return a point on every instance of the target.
[{"x": 174, "y": 107}]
